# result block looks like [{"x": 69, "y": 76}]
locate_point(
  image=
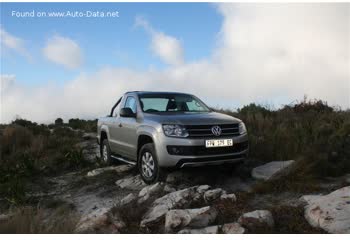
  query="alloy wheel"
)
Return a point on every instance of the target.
[{"x": 147, "y": 165}]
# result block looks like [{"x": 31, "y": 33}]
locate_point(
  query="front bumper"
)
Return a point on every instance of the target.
[{"x": 200, "y": 156}]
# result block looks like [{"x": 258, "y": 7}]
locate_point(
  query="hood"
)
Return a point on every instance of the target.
[{"x": 206, "y": 118}]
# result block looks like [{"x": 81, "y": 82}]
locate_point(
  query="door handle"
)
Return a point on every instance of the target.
[{"x": 120, "y": 125}]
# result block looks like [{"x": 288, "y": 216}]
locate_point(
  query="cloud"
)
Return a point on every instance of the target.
[
  {"x": 166, "y": 47},
  {"x": 274, "y": 53},
  {"x": 63, "y": 51},
  {"x": 12, "y": 42}
]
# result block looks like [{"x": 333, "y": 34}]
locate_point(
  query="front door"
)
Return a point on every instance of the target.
[{"x": 127, "y": 131}]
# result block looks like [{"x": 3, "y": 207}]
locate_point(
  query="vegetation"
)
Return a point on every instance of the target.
[
  {"x": 45, "y": 220},
  {"x": 310, "y": 131},
  {"x": 29, "y": 150}
]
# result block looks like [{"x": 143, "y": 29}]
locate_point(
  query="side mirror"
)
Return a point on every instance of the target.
[{"x": 127, "y": 112}]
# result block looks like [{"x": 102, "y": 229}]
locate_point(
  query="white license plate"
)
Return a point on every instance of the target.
[{"x": 218, "y": 143}]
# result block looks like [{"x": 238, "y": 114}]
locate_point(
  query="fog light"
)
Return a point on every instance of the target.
[{"x": 174, "y": 150}]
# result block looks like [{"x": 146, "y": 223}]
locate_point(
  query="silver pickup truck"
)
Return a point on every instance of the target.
[{"x": 160, "y": 130}]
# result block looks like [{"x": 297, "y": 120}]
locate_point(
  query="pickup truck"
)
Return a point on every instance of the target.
[{"x": 158, "y": 131}]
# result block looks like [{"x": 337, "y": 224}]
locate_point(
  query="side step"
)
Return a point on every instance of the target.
[{"x": 123, "y": 160}]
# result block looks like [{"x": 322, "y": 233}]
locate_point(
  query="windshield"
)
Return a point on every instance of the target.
[{"x": 166, "y": 102}]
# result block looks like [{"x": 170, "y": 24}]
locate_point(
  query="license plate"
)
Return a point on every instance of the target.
[{"x": 218, "y": 143}]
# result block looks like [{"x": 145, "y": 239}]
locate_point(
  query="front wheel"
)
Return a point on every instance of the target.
[
  {"x": 148, "y": 164},
  {"x": 106, "y": 152}
]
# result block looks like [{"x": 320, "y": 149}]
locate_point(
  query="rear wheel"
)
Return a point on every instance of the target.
[
  {"x": 106, "y": 152},
  {"x": 148, "y": 164}
]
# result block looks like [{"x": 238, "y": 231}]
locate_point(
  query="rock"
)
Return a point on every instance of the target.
[
  {"x": 207, "y": 230},
  {"x": 116, "y": 224},
  {"x": 330, "y": 212},
  {"x": 257, "y": 219},
  {"x": 131, "y": 183},
  {"x": 93, "y": 220},
  {"x": 89, "y": 136},
  {"x": 213, "y": 194},
  {"x": 180, "y": 218},
  {"x": 147, "y": 191},
  {"x": 271, "y": 169},
  {"x": 228, "y": 197},
  {"x": 169, "y": 189},
  {"x": 90, "y": 150},
  {"x": 117, "y": 169},
  {"x": 232, "y": 228},
  {"x": 179, "y": 199},
  {"x": 128, "y": 199},
  {"x": 309, "y": 198}
]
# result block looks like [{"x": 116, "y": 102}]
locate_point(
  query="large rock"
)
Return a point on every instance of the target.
[
  {"x": 181, "y": 218},
  {"x": 96, "y": 220},
  {"x": 207, "y": 230},
  {"x": 228, "y": 197},
  {"x": 232, "y": 228},
  {"x": 148, "y": 191},
  {"x": 131, "y": 183},
  {"x": 90, "y": 150},
  {"x": 213, "y": 194},
  {"x": 271, "y": 169},
  {"x": 117, "y": 169},
  {"x": 128, "y": 199},
  {"x": 330, "y": 212},
  {"x": 174, "y": 200},
  {"x": 257, "y": 219},
  {"x": 169, "y": 189}
]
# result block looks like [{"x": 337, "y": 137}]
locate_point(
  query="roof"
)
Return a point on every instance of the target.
[{"x": 155, "y": 92}]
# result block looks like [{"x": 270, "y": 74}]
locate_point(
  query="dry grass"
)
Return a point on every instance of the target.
[
  {"x": 309, "y": 130},
  {"x": 28, "y": 220},
  {"x": 289, "y": 219},
  {"x": 29, "y": 150}
]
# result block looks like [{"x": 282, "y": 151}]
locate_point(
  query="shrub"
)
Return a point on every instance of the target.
[
  {"x": 59, "y": 121},
  {"x": 29, "y": 150},
  {"x": 28, "y": 220},
  {"x": 309, "y": 130}
]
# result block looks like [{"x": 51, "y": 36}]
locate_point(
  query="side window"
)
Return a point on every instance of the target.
[{"x": 131, "y": 103}]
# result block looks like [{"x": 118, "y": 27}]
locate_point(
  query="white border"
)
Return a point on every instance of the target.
[
  {"x": 171, "y": 236},
  {"x": 196, "y": 1}
]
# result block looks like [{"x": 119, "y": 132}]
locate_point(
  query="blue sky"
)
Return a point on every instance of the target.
[
  {"x": 228, "y": 54},
  {"x": 106, "y": 41}
]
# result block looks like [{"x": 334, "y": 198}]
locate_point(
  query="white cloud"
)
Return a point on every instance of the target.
[
  {"x": 63, "y": 51},
  {"x": 166, "y": 47},
  {"x": 9, "y": 41},
  {"x": 266, "y": 53}
]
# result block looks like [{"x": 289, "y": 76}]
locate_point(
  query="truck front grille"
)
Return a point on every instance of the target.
[
  {"x": 204, "y": 131},
  {"x": 202, "y": 150}
]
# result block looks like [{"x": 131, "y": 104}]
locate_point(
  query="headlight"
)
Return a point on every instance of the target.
[
  {"x": 242, "y": 128},
  {"x": 172, "y": 130}
]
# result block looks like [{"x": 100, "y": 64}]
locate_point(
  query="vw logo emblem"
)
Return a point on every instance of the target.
[{"x": 216, "y": 130}]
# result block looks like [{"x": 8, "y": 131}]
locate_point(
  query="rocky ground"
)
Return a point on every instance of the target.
[{"x": 201, "y": 200}]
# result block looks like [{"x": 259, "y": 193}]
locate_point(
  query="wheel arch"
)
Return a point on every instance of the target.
[{"x": 142, "y": 140}]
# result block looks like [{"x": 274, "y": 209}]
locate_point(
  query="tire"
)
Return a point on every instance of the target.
[
  {"x": 148, "y": 165},
  {"x": 106, "y": 153}
]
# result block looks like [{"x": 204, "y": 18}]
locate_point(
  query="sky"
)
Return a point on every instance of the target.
[{"x": 228, "y": 54}]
